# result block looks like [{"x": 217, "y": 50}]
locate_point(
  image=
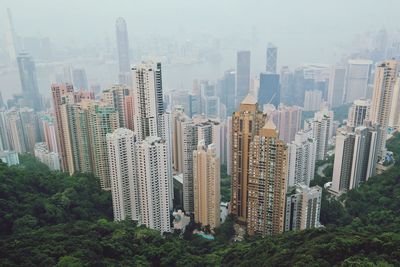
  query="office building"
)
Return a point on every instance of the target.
[
  {"x": 266, "y": 182},
  {"x": 242, "y": 76},
  {"x": 358, "y": 72},
  {"x": 246, "y": 124},
  {"x": 29, "y": 85},
  {"x": 358, "y": 113},
  {"x": 123, "y": 51},
  {"x": 336, "y": 86},
  {"x": 269, "y": 90},
  {"x": 303, "y": 207},
  {"x": 272, "y": 57},
  {"x": 227, "y": 91},
  {"x": 384, "y": 86},
  {"x": 312, "y": 100},
  {"x": 301, "y": 159},
  {"x": 206, "y": 176},
  {"x": 79, "y": 79},
  {"x": 286, "y": 85}
]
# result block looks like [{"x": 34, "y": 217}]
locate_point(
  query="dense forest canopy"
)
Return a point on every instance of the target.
[{"x": 49, "y": 218}]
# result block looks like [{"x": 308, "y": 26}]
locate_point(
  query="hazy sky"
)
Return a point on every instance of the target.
[{"x": 304, "y": 31}]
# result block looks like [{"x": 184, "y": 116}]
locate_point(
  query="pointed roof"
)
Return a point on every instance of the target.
[
  {"x": 249, "y": 100},
  {"x": 270, "y": 124}
]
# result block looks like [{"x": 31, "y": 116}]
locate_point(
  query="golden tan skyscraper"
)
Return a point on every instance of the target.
[
  {"x": 245, "y": 125},
  {"x": 206, "y": 176},
  {"x": 267, "y": 182}
]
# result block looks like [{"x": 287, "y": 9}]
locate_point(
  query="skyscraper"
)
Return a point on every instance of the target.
[
  {"x": 57, "y": 91},
  {"x": 246, "y": 124},
  {"x": 123, "y": 174},
  {"x": 103, "y": 119},
  {"x": 206, "y": 176},
  {"x": 242, "y": 75},
  {"x": 355, "y": 157},
  {"x": 358, "y": 112},
  {"x": 266, "y": 182},
  {"x": 336, "y": 86},
  {"x": 123, "y": 50},
  {"x": 227, "y": 91},
  {"x": 30, "y": 89},
  {"x": 321, "y": 126},
  {"x": 148, "y": 100},
  {"x": 154, "y": 179},
  {"x": 384, "y": 85},
  {"x": 394, "y": 118},
  {"x": 22, "y": 129},
  {"x": 79, "y": 79},
  {"x": 358, "y": 72},
  {"x": 269, "y": 91},
  {"x": 312, "y": 100},
  {"x": 118, "y": 96},
  {"x": 303, "y": 208},
  {"x": 272, "y": 57},
  {"x": 287, "y": 119},
  {"x": 11, "y": 44},
  {"x": 301, "y": 159}
]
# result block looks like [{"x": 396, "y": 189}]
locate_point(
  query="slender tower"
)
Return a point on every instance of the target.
[{"x": 123, "y": 50}]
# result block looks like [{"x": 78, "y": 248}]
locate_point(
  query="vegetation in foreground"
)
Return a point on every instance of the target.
[{"x": 48, "y": 219}]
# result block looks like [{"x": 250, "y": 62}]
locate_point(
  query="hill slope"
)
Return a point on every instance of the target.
[{"x": 51, "y": 219}]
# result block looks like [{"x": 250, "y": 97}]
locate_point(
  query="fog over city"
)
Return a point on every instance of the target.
[{"x": 193, "y": 39}]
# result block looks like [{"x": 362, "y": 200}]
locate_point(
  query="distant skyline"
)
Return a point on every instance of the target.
[{"x": 306, "y": 31}]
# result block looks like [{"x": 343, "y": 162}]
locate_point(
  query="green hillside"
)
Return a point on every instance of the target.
[{"x": 49, "y": 218}]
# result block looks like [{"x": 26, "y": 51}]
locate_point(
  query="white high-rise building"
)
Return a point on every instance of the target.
[
  {"x": 154, "y": 180},
  {"x": 148, "y": 100},
  {"x": 355, "y": 157},
  {"x": 321, "y": 126},
  {"x": 358, "y": 112},
  {"x": 312, "y": 100},
  {"x": 123, "y": 171},
  {"x": 336, "y": 86},
  {"x": 303, "y": 208},
  {"x": 206, "y": 176},
  {"x": 358, "y": 72},
  {"x": 302, "y": 152},
  {"x": 385, "y": 79}
]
